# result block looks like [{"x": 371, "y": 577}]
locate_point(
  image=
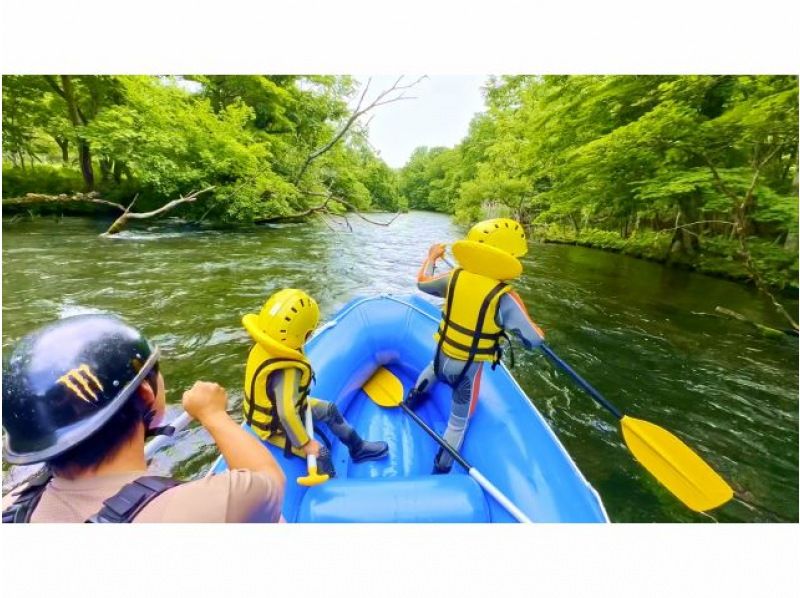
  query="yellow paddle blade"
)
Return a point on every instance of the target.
[
  {"x": 675, "y": 465},
  {"x": 384, "y": 388}
]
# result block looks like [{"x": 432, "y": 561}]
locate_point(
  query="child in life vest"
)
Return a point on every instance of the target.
[
  {"x": 480, "y": 308},
  {"x": 278, "y": 377}
]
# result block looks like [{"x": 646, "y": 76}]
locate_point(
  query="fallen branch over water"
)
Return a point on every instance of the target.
[
  {"x": 323, "y": 209},
  {"x": 93, "y": 197},
  {"x": 38, "y": 198},
  {"x": 120, "y": 222},
  {"x": 765, "y": 330}
]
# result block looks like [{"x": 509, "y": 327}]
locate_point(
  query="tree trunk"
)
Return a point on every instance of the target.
[
  {"x": 636, "y": 223},
  {"x": 105, "y": 169},
  {"x": 576, "y": 223},
  {"x": 118, "y": 166},
  {"x": 84, "y": 153},
  {"x": 64, "y": 145}
]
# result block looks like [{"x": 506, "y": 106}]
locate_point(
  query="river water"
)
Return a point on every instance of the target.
[{"x": 646, "y": 336}]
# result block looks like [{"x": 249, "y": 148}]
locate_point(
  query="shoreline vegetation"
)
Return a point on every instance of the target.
[
  {"x": 775, "y": 264},
  {"x": 697, "y": 172}
]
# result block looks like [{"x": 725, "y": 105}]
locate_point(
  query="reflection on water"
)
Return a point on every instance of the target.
[{"x": 645, "y": 335}]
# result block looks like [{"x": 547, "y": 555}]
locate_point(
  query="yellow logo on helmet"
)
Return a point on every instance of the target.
[{"x": 82, "y": 382}]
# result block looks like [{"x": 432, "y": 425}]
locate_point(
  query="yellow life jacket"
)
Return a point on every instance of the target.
[
  {"x": 468, "y": 330},
  {"x": 260, "y": 409}
]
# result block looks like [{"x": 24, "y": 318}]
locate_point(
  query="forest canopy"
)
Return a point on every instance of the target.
[
  {"x": 699, "y": 170},
  {"x": 249, "y": 137},
  {"x": 680, "y": 166}
]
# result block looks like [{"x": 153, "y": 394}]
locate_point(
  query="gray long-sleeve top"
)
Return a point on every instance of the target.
[{"x": 511, "y": 315}]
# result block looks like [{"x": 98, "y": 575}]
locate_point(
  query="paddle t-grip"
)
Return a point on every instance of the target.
[{"x": 313, "y": 478}]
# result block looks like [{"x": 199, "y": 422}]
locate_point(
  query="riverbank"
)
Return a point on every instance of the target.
[{"x": 778, "y": 267}]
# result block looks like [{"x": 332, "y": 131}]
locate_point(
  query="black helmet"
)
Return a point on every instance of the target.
[{"x": 65, "y": 380}]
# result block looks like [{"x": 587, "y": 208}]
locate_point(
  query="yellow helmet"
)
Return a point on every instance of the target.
[
  {"x": 501, "y": 233},
  {"x": 491, "y": 249},
  {"x": 288, "y": 317}
]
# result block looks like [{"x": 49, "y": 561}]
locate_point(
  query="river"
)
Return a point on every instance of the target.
[{"x": 646, "y": 336}]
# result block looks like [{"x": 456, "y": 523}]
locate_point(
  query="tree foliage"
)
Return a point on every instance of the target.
[
  {"x": 696, "y": 157},
  {"x": 160, "y": 137}
]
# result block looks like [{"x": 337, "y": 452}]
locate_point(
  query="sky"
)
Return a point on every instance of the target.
[{"x": 440, "y": 115}]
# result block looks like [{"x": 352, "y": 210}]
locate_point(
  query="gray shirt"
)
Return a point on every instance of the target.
[{"x": 511, "y": 315}]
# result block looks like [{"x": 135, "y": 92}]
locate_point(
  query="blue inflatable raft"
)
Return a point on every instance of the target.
[{"x": 508, "y": 440}]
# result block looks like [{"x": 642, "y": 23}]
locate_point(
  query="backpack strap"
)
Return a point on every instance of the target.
[
  {"x": 20, "y": 510},
  {"x": 126, "y": 504}
]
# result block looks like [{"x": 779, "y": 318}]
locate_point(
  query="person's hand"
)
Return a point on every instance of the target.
[
  {"x": 312, "y": 447},
  {"x": 436, "y": 251},
  {"x": 205, "y": 400}
]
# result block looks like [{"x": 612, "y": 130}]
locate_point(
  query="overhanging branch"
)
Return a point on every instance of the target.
[{"x": 383, "y": 98}]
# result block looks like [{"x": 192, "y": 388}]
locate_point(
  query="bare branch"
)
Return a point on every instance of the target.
[
  {"x": 31, "y": 198},
  {"x": 120, "y": 222},
  {"x": 701, "y": 222},
  {"x": 325, "y": 220},
  {"x": 363, "y": 94},
  {"x": 135, "y": 197},
  {"x": 324, "y": 209},
  {"x": 364, "y": 218},
  {"x": 722, "y": 187},
  {"x": 382, "y": 99},
  {"x": 343, "y": 217},
  {"x": 308, "y": 212}
]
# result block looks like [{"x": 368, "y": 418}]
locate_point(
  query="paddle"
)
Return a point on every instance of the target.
[
  {"x": 682, "y": 471},
  {"x": 677, "y": 467},
  {"x": 25, "y": 472},
  {"x": 313, "y": 478},
  {"x": 178, "y": 424},
  {"x": 385, "y": 389}
]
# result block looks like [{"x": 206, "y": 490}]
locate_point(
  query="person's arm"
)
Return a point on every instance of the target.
[
  {"x": 426, "y": 281},
  {"x": 206, "y": 402},
  {"x": 285, "y": 387},
  {"x": 514, "y": 318}
]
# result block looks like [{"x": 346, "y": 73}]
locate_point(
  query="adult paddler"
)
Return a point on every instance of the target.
[
  {"x": 480, "y": 308},
  {"x": 278, "y": 377},
  {"x": 81, "y": 395}
]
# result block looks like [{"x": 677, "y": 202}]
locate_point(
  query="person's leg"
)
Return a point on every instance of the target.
[
  {"x": 360, "y": 449},
  {"x": 419, "y": 393},
  {"x": 465, "y": 396}
]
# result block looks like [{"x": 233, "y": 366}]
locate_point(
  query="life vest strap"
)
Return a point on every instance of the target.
[
  {"x": 473, "y": 350},
  {"x": 123, "y": 507},
  {"x": 489, "y": 336},
  {"x": 20, "y": 510},
  {"x": 456, "y": 345},
  {"x": 274, "y": 425},
  {"x": 126, "y": 504}
]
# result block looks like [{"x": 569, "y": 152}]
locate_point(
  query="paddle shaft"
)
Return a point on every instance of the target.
[
  {"x": 311, "y": 459},
  {"x": 149, "y": 450},
  {"x": 476, "y": 475},
  {"x": 581, "y": 382},
  {"x": 679, "y": 458},
  {"x": 179, "y": 423}
]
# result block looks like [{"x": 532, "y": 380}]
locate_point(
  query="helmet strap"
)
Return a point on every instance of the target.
[
  {"x": 149, "y": 414},
  {"x": 159, "y": 431}
]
